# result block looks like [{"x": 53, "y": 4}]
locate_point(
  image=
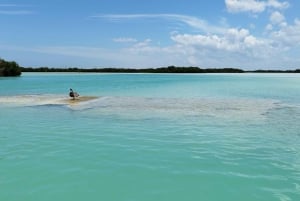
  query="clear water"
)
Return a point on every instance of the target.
[{"x": 150, "y": 137}]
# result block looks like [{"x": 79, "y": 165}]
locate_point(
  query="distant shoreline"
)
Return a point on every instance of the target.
[{"x": 169, "y": 69}]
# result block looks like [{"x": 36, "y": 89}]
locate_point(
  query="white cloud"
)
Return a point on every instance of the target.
[
  {"x": 125, "y": 40},
  {"x": 277, "y": 18},
  {"x": 236, "y": 6},
  {"x": 234, "y": 40},
  {"x": 8, "y": 5},
  {"x": 277, "y": 5},
  {"x": 253, "y": 6},
  {"x": 288, "y": 36},
  {"x": 252, "y": 26},
  {"x": 15, "y": 12},
  {"x": 13, "y": 9},
  {"x": 235, "y": 48},
  {"x": 269, "y": 27},
  {"x": 193, "y": 22},
  {"x": 142, "y": 44}
]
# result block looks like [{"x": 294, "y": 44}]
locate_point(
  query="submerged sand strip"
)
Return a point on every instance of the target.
[
  {"x": 79, "y": 100},
  {"x": 237, "y": 108},
  {"x": 45, "y": 99}
]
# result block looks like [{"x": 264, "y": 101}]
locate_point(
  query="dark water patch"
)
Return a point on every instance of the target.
[{"x": 46, "y": 106}]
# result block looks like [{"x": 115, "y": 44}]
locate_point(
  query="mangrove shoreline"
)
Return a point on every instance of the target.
[
  {"x": 169, "y": 69},
  {"x": 11, "y": 68}
]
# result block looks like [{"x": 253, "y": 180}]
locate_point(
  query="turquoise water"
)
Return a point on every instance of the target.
[{"x": 150, "y": 137}]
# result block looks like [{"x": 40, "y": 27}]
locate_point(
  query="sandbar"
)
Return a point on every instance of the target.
[{"x": 80, "y": 99}]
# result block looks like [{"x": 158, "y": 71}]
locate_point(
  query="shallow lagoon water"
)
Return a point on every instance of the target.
[{"x": 150, "y": 137}]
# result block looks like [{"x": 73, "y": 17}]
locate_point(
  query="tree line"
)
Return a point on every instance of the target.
[
  {"x": 169, "y": 69},
  {"x": 9, "y": 68}
]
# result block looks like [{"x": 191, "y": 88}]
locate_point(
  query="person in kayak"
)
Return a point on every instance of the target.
[{"x": 73, "y": 94}]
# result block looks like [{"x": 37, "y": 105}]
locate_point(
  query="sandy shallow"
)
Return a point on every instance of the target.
[
  {"x": 79, "y": 99},
  {"x": 45, "y": 99}
]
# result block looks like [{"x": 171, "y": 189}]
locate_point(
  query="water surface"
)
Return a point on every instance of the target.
[{"x": 150, "y": 137}]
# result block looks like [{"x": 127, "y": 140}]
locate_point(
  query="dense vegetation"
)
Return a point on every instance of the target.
[
  {"x": 9, "y": 68},
  {"x": 170, "y": 69},
  {"x": 275, "y": 71}
]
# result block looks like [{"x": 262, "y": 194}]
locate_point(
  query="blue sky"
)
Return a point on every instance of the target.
[{"x": 247, "y": 34}]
